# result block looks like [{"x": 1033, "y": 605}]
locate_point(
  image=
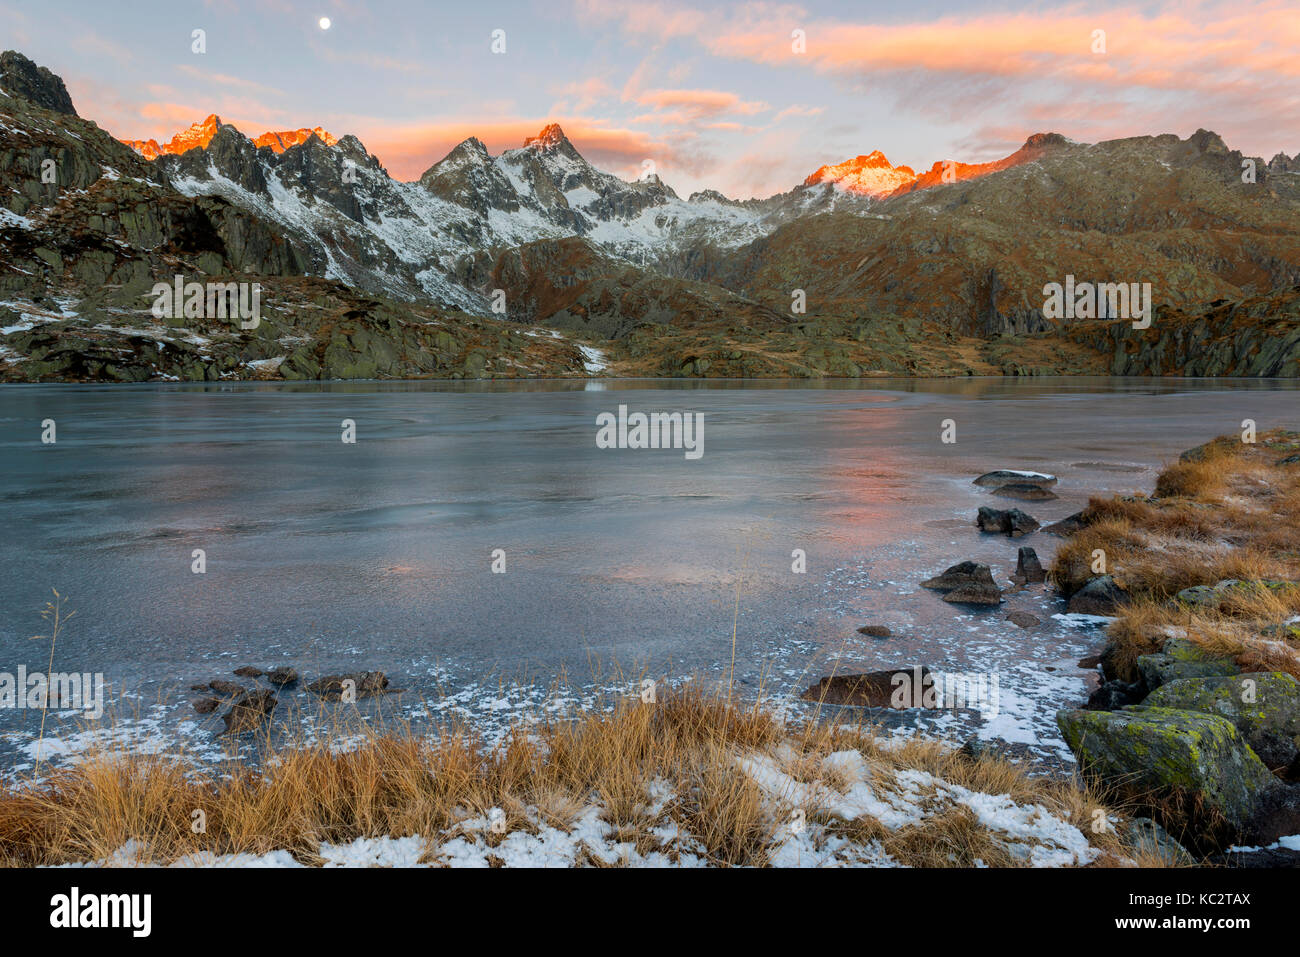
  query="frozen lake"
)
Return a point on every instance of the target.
[{"x": 332, "y": 556}]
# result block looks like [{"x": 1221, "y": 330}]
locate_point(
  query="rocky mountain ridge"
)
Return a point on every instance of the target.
[
  {"x": 935, "y": 277},
  {"x": 199, "y": 135}
]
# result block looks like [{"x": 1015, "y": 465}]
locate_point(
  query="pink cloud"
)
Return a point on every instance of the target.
[{"x": 1231, "y": 64}]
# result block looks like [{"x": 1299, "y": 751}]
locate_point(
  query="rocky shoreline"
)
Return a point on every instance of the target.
[{"x": 1187, "y": 726}]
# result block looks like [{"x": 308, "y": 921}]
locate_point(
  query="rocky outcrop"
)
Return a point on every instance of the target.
[
  {"x": 1181, "y": 754},
  {"x": 1216, "y": 596},
  {"x": 1181, "y": 659},
  {"x": 1098, "y": 596},
  {"x": 19, "y": 76},
  {"x": 358, "y": 685},
  {"x": 1254, "y": 336},
  {"x": 1003, "y": 477},
  {"x": 1012, "y": 522},
  {"x": 1263, "y": 706},
  {"x": 899, "y": 688},
  {"x": 966, "y": 583},
  {"x": 249, "y": 711},
  {"x": 1029, "y": 570}
]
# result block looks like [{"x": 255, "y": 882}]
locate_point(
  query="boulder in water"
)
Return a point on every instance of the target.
[
  {"x": 1099, "y": 596},
  {"x": 1029, "y": 570},
  {"x": 897, "y": 688},
  {"x": 1025, "y": 492},
  {"x": 1009, "y": 476},
  {"x": 1012, "y": 522},
  {"x": 249, "y": 711}
]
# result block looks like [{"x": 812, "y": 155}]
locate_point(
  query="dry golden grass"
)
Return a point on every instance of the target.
[
  {"x": 644, "y": 766},
  {"x": 1232, "y": 514}
]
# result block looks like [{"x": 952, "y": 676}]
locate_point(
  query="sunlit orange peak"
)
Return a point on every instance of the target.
[
  {"x": 200, "y": 135},
  {"x": 871, "y": 174}
]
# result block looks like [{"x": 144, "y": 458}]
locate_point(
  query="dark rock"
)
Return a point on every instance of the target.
[
  {"x": 365, "y": 684},
  {"x": 282, "y": 676},
  {"x": 1029, "y": 570},
  {"x": 1110, "y": 665},
  {"x": 1067, "y": 526},
  {"x": 875, "y": 689},
  {"x": 1100, "y": 596},
  {"x": 1092, "y": 661},
  {"x": 248, "y": 671},
  {"x": 1213, "y": 596},
  {"x": 1022, "y": 619},
  {"x": 1180, "y": 754},
  {"x": 1011, "y": 522},
  {"x": 1264, "y": 706},
  {"x": 966, "y": 583},
  {"x": 226, "y": 687},
  {"x": 1270, "y": 857},
  {"x": 20, "y": 76},
  {"x": 974, "y": 594},
  {"x": 1114, "y": 695},
  {"x": 963, "y": 573},
  {"x": 1180, "y": 658},
  {"x": 1146, "y": 835},
  {"x": 249, "y": 711},
  {"x": 1290, "y": 460},
  {"x": 1002, "y": 477},
  {"x": 875, "y": 631},
  {"x": 1025, "y": 492},
  {"x": 206, "y": 705},
  {"x": 1276, "y": 815}
]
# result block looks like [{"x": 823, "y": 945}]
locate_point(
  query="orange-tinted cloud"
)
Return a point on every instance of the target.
[
  {"x": 700, "y": 103},
  {"x": 1229, "y": 64}
]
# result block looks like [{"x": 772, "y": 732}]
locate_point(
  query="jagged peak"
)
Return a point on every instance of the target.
[
  {"x": 281, "y": 141},
  {"x": 471, "y": 148},
  {"x": 1207, "y": 141},
  {"x": 551, "y": 137},
  {"x": 200, "y": 134},
  {"x": 1038, "y": 140},
  {"x": 871, "y": 174},
  {"x": 20, "y": 76}
]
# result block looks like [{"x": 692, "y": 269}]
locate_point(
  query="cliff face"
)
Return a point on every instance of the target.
[
  {"x": 88, "y": 227},
  {"x": 1257, "y": 336}
]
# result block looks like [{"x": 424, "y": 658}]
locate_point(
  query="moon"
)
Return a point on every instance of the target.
[{"x": 324, "y": 23}]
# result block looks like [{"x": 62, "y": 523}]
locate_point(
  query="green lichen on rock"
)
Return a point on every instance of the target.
[
  {"x": 1168, "y": 751},
  {"x": 1264, "y": 706},
  {"x": 1181, "y": 658},
  {"x": 1213, "y": 596}
]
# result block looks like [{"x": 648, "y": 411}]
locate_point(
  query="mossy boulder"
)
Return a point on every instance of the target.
[
  {"x": 1213, "y": 596},
  {"x": 1164, "y": 751},
  {"x": 1264, "y": 706},
  {"x": 1180, "y": 658}
]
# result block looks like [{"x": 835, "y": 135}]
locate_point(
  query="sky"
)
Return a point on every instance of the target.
[{"x": 725, "y": 96}]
